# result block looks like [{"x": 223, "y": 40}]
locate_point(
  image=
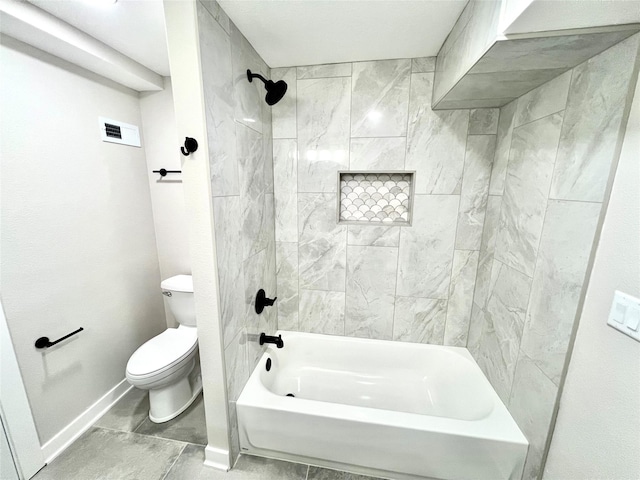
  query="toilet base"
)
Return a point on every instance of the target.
[{"x": 168, "y": 402}]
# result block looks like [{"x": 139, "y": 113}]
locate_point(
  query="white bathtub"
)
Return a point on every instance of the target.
[{"x": 387, "y": 409}]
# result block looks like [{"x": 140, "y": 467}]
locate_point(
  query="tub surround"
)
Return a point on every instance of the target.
[
  {"x": 555, "y": 150},
  {"x": 239, "y": 136},
  {"x": 378, "y": 281},
  {"x": 499, "y": 193}
]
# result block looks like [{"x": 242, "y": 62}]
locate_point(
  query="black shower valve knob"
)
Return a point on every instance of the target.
[{"x": 262, "y": 301}]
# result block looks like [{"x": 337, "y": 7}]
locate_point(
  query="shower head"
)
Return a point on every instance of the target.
[{"x": 275, "y": 90}]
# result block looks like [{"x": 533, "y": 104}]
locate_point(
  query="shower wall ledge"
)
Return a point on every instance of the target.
[{"x": 472, "y": 72}]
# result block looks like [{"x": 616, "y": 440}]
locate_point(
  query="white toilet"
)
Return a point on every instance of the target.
[{"x": 168, "y": 364}]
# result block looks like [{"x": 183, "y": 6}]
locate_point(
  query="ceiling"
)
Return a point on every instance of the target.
[
  {"x": 133, "y": 27},
  {"x": 307, "y": 32}
]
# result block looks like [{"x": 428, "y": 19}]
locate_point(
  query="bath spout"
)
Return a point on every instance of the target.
[{"x": 277, "y": 341}]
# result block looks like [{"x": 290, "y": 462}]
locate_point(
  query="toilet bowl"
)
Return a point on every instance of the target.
[{"x": 168, "y": 364}]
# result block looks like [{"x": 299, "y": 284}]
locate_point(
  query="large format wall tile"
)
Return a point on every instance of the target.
[
  {"x": 533, "y": 151},
  {"x": 287, "y": 275},
  {"x": 235, "y": 359},
  {"x": 285, "y": 172},
  {"x": 379, "y": 98},
  {"x": 503, "y": 147},
  {"x": 323, "y": 132},
  {"x": 435, "y": 141},
  {"x": 476, "y": 327},
  {"x": 475, "y": 188},
  {"x": 426, "y": 248},
  {"x": 419, "y": 320},
  {"x": 553, "y": 51},
  {"x": 267, "y": 147},
  {"x": 371, "y": 285},
  {"x": 229, "y": 254},
  {"x": 371, "y": 235},
  {"x": 483, "y": 121},
  {"x": 284, "y": 112},
  {"x": 496, "y": 85},
  {"x": 423, "y": 65},
  {"x": 324, "y": 71},
  {"x": 252, "y": 190},
  {"x": 323, "y": 243},
  {"x": 504, "y": 321},
  {"x": 270, "y": 283},
  {"x": 548, "y": 98},
  {"x": 219, "y": 100},
  {"x": 249, "y": 95},
  {"x": 566, "y": 244},
  {"x": 531, "y": 404},
  {"x": 322, "y": 312},
  {"x": 463, "y": 279},
  {"x": 600, "y": 86},
  {"x": 218, "y": 14},
  {"x": 487, "y": 249},
  {"x": 385, "y": 153}
]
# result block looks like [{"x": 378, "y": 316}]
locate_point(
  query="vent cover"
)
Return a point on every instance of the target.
[{"x": 114, "y": 131}]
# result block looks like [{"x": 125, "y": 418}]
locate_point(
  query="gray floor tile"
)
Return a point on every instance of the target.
[
  {"x": 128, "y": 413},
  {"x": 189, "y": 466},
  {"x": 189, "y": 426},
  {"x": 317, "y": 473},
  {"x": 102, "y": 454}
]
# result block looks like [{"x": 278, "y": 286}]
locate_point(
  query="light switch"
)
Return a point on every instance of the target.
[
  {"x": 632, "y": 319},
  {"x": 620, "y": 312},
  {"x": 624, "y": 315}
]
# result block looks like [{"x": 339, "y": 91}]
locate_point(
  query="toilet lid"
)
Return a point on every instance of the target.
[{"x": 163, "y": 351}]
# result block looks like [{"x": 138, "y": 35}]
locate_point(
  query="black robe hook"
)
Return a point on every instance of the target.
[{"x": 190, "y": 144}]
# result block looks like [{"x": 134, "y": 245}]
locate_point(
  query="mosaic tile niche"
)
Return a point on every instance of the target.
[{"x": 376, "y": 198}]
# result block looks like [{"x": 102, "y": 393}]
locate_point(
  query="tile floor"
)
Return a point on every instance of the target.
[{"x": 125, "y": 445}]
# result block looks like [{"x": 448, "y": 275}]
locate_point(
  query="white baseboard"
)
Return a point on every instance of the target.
[
  {"x": 217, "y": 458},
  {"x": 81, "y": 424}
]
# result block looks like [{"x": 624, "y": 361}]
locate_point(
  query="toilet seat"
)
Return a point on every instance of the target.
[{"x": 162, "y": 354}]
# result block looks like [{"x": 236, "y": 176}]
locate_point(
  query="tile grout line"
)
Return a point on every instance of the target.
[{"x": 174, "y": 462}]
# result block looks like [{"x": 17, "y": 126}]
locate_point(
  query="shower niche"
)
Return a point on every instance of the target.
[{"x": 375, "y": 197}]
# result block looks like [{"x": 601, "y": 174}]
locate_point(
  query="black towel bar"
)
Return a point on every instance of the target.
[{"x": 163, "y": 171}]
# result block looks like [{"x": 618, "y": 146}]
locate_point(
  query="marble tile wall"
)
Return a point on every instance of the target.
[
  {"x": 479, "y": 67},
  {"x": 553, "y": 155},
  {"x": 239, "y": 132},
  {"x": 407, "y": 283}
]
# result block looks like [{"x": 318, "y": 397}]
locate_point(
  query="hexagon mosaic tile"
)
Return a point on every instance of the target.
[{"x": 375, "y": 197}]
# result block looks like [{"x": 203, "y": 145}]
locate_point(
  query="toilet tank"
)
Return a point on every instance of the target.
[{"x": 179, "y": 293}]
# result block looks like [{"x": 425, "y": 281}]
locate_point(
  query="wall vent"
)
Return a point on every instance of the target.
[
  {"x": 114, "y": 131},
  {"x": 375, "y": 198}
]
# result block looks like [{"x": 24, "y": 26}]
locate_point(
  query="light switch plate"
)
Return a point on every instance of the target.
[{"x": 625, "y": 315}]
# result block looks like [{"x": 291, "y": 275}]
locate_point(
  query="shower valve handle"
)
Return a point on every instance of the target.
[{"x": 262, "y": 301}]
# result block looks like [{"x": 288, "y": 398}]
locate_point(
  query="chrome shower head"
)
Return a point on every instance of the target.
[{"x": 275, "y": 90}]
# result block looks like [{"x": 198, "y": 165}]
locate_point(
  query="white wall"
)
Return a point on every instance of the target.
[
  {"x": 167, "y": 195},
  {"x": 78, "y": 244},
  {"x": 596, "y": 434}
]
